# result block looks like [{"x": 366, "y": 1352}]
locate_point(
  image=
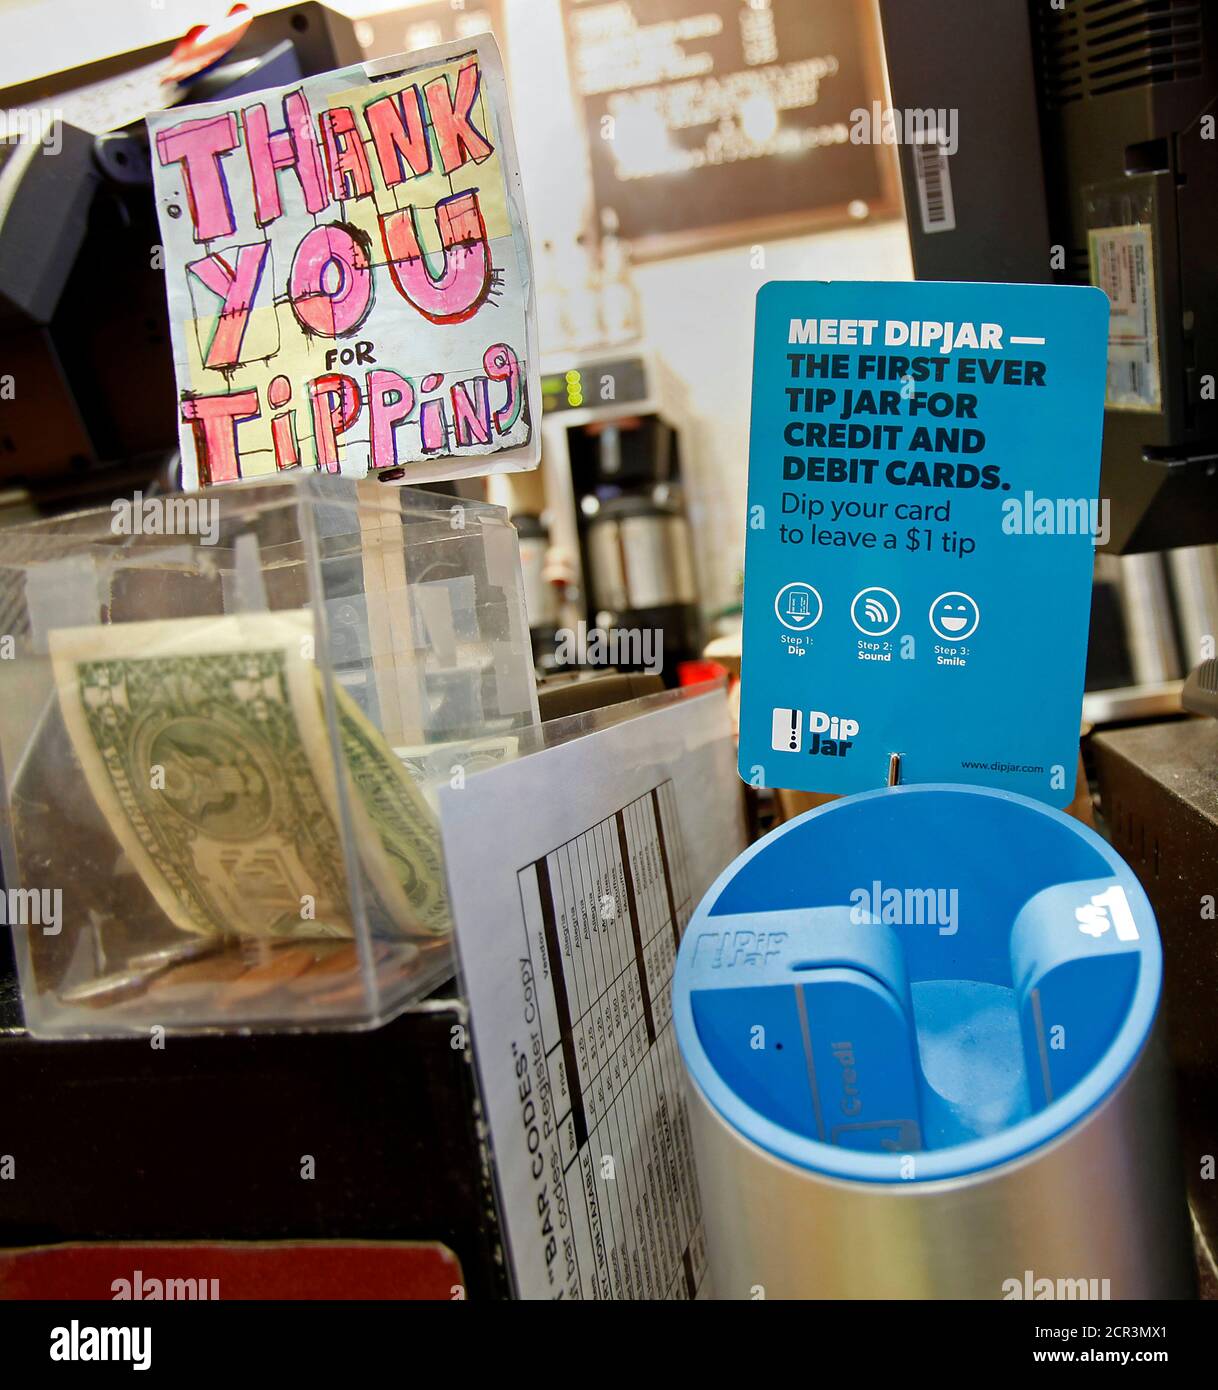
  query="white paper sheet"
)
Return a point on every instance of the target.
[
  {"x": 572, "y": 874},
  {"x": 349, "y": 276}
]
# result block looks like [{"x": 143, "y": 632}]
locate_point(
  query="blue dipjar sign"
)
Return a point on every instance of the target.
[{"x": 923, "y": 514}]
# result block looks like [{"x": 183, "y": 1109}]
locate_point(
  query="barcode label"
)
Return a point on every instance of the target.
[
  {"x": 934, "y": 184},
  {"x": 1122, "y": 265}
]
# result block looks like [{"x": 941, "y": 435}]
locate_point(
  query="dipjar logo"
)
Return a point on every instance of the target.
[
  {"x": 823, "y": 734},
  {"x": 830, "y": 735}
]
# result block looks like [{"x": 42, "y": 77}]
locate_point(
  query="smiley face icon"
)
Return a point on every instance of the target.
[{"x": 954, "y": 616}]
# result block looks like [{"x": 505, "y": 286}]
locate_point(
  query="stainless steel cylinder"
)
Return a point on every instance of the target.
[
  {"x": 871, "y": 1119},
  {"x": 640, "y": 556},
  {"x": 1097, "y": 1214}
]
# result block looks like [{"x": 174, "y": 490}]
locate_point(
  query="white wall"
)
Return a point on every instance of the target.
[{"x": 697, "y": 310}]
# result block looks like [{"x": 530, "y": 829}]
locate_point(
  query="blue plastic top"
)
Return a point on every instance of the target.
[{"x": 917, "y": 983}]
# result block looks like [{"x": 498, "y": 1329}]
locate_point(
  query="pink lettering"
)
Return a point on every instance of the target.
[
  {"x": 198, "y": 145},
  {"x": 390, "y": 401},
  {"x": 237, "y": 288},
  {"x": 399, "y": 136},
  {"x": 336, "y": 405},
  {"x": 214, "y": 421},
  {"x": 459, "y": 139},
  {"x": 293, "y": 148},
  {"x": 330, "y": 284},
  {"x": 345, "y": 157},
  {"x": 460, "y": 289}
]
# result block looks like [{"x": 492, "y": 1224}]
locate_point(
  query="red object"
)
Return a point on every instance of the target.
[
  {"x": 699, "y": 671},
  {"x": 197, "y": 1270},
  {"x": 206, "y": 44}
]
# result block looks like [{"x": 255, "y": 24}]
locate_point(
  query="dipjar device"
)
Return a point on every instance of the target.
[{"x": 919, "y": 1027}]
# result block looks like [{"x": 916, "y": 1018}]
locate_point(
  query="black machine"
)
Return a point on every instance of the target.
[
  {"x": 84, "y": 327},
  {"x": 615, "y": 440},
  {"x": 1087, "y": 153}
]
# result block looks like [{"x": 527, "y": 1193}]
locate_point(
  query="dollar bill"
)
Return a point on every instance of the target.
[
  {"x": 432, "y": 765},
  {"x": 397, "y": 829},
  {"x": 205, "y": 745}
]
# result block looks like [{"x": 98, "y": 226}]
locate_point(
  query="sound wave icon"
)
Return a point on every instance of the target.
[{"x": 875, "y": 611}]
